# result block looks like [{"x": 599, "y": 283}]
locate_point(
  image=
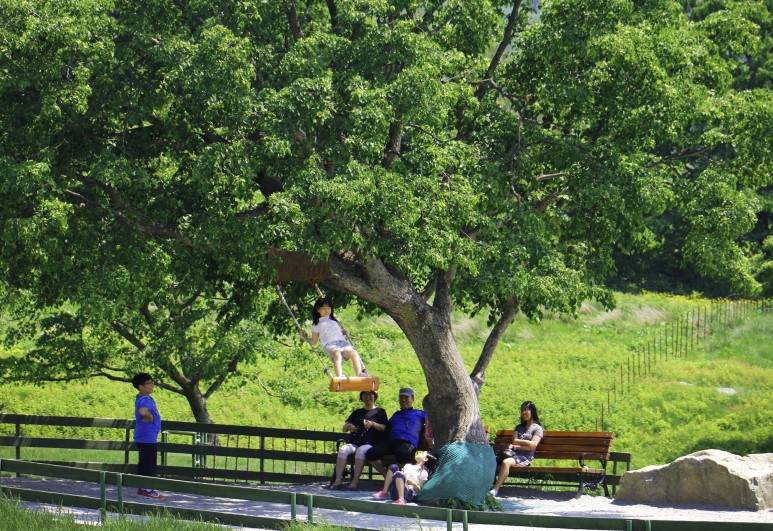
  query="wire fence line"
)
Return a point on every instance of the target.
[{"x": 675, "y": 340}]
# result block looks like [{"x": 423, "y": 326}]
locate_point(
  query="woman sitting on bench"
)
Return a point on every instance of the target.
[
  {"x": 361, "y": 440},
  {"x": 526, "y": 437}
]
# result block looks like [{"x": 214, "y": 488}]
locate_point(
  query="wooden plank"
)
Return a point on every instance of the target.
[
  {"x": 572, "y": 456},
  {"x": 577, "y": 448},
  {"x": 528, "y": 470},
  {"x": 51, "y": 420},
  {"x": 41, "y": 469},
  {"x": 174, "y": 448},
  {"x": 69, "y": 444},
  {"x": 561, "y": 434},
  {"x": 353, "y": 383},
  {"x": 55, "y": 498},
  {"x": 195, "y": 427}
]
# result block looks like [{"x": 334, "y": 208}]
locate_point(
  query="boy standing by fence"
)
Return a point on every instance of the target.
[{"x": 146, "y": 431}]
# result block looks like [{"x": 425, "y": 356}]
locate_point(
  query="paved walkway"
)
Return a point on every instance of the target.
[{"x": 521, "y": 501}]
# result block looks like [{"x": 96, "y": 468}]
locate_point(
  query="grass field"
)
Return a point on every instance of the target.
[{"x": 718, "y": 396}]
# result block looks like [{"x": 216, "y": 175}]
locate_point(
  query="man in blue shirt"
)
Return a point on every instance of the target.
[{"x": 403, "y": 431}]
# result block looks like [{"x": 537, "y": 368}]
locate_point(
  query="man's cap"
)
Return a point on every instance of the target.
[{"x": 407, "y": 391}]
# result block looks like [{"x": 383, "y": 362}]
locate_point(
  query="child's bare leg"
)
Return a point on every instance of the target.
[
  {"x": 400, "y": 487},
  {"x": 351, "y": 354},
  {"x": 335, "y": 355},
  {"x": 387, "y": 481}
]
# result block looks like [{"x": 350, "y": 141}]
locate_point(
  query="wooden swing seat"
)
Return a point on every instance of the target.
[{"x": 354, "y": 383}]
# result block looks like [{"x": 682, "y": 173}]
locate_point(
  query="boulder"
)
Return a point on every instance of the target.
[{"x": 711, "y": 477}]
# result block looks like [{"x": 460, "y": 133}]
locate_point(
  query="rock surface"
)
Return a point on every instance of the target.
[{"x": 706, "y": 477}]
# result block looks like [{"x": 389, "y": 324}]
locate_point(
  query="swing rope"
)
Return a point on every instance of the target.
[{"x": 298, "y": 324}]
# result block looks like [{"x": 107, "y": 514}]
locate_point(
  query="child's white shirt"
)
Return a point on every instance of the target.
[
  {"x": 416, "y": 473},
  {"x": 329, "y": 331}
]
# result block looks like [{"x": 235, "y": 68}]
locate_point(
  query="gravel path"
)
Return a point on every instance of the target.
[{"x": 521, "y": 501}]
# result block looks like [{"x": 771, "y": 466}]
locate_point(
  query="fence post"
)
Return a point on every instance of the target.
[
  {"x": 102, "y": 499},
  {"x": 293, "y": 506},
  {"x": 641, "y": 349},
  {"x": 649, "y": 359},
  {"x": 119, "y": 487},
  {"x": 629, "y": 370},
  {"x": 602, "y": 413},
  {"x": 310, "y": 507},
  {"x": 262, "y": 458},
  {"x": 664, "y": 343}
]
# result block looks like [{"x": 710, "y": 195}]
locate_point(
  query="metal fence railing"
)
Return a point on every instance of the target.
[{"x": 115, "y": 502}]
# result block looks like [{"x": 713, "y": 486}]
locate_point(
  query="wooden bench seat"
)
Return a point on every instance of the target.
[{"x": 588, "y": 451}]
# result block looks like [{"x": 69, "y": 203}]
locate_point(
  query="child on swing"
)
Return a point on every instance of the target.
[
  {"x": 402, "y": 485},
  {"x": 325, "y": 328}
]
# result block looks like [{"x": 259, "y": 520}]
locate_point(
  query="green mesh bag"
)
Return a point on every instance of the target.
[{"x": 465, "y": 471}]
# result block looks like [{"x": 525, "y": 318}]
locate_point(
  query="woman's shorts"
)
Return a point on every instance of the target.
[{"x": 520, "y": 460}]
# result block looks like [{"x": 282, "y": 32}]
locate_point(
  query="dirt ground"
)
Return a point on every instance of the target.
[{"x": 521, "y": 501}]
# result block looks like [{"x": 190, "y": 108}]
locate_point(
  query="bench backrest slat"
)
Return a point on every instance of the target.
[{"x": 563, "y": 444}]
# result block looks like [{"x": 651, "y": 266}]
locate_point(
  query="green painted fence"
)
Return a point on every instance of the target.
[{"x": 294, "y": 501}]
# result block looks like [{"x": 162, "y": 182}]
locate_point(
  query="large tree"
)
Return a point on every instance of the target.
[{"x": 441, "y": 154}]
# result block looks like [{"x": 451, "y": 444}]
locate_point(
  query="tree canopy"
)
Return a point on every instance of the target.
[{"x": 466, "y": 154}]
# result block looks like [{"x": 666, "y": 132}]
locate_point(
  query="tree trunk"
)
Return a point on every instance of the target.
[
  {"x": 452, "y": 404},
  {"x": 198, "y": 404}
]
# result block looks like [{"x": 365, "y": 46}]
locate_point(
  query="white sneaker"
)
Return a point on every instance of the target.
[
  {"x": 364, "y": 373},
  {"x": 494, "y": 492}
]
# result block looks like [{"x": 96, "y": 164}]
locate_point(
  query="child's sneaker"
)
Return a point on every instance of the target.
[
  {"x": 494, "y": 492},
  {"x": 364, "y": 373},
  {"x": 380, "y": 495},
  {"x": 150, "y": 494},
  {"x": 399, "y": 502}
]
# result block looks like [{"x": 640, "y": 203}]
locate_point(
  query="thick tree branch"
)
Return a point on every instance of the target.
[
  {"x": 221, "y": 378},
  {"x": 392, "y": 148},
  {"x": 444, "y": 279},
  {"x": 333, "y": 9},
  {"x": 429, "y": 289},
  {"x": 145, "y": 311},
  {"x": 549, "y": 176},
  {"x": 128, "y": 336},
  {"x": 681, "y": 155},
  {"x": 549, "y": 200},
  {"x": 292, "y": 18},
  {"x": 507, "y": 38},
  {"x": 135, "y": 218},
  {"x": 509, "y": 311},
  {"x": 126, "y": 379}
]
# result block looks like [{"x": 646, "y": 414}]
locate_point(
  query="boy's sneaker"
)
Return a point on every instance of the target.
[
  {"x": 380, "y": 495},
  {"x": 150, "y": 494},
  {"x": 364, "y": 373},
  {"x": 399, "y": 502},
  {"x": 494, "y": 492}
]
